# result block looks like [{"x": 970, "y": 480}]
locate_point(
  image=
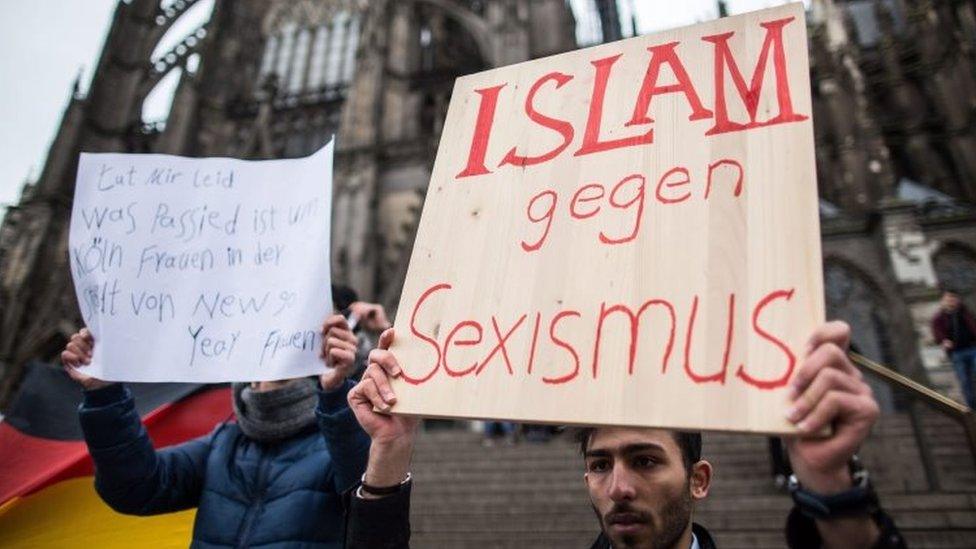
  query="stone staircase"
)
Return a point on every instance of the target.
[{"x": 532, "y": 495}]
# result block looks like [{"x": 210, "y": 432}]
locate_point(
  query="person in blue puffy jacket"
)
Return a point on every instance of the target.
[{"x": 275, "y": 478}]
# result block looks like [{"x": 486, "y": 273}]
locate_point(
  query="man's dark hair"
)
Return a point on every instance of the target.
[
  {"x": 343, "y": 297},
  {"x": 690, "y": 443}
]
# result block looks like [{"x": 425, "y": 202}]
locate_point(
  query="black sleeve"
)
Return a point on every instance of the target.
[
  {"x": 802, "y": 533},
  {"x": 130, "y": 475},
  {"x": 382, "y": 523},
  {"x": 346, "y": 441}
]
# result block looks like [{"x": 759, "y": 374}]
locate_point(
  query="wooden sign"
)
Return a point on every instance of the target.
[{"x": 622, "y": 235}]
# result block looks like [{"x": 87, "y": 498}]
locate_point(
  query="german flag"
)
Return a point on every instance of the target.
[{"x": 47, "y": 493}]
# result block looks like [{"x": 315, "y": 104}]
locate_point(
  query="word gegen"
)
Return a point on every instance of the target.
[
  {"x": 629, "y": 195},
  {"x": 471, "y": 333}
]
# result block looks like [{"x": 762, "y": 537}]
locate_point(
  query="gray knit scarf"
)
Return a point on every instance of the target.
[{"x": 268, "y": 416}]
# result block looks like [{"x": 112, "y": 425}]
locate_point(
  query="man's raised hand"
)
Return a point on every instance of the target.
[
  {"x": 338, "y": 350},
  {"x": 392, "y": 436},
  {"x": 374, "y": 396},
  {"x": 78, "y": 354},
  {"x": 829, "y": 392},
  {"x": 371, "y": 316}
]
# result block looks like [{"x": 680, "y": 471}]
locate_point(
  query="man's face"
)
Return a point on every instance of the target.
[
  {"x": 950, "y": 301},
  {"x": 640, "y": 489},
  {"x": 262, "y": 386}
]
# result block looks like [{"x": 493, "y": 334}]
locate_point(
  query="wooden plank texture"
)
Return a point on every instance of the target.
[{"x": 637, "y": 224}]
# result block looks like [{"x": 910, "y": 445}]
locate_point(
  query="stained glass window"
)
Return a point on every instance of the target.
[
  {"x": 316, "y": 72},
  {"x": 309, "y": 58},
  {"x": 296, "y": 79}
]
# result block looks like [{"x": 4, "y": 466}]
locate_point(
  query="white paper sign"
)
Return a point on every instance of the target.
[{"x": 202, "y": 270}]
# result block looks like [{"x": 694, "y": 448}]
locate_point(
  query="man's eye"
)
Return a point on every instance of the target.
[
  {"x": 599, "y": 466},
  {"x": 645, "y": 462}
]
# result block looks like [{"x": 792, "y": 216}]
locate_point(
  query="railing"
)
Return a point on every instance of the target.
[{"x": 939, "y": 402}]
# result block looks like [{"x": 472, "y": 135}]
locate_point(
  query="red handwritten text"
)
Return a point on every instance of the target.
[{"x": 552, "y": 328}]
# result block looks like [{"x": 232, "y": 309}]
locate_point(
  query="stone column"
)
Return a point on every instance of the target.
[{"x": 911, "y": 252}]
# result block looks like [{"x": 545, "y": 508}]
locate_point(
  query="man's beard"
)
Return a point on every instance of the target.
[{"x": 674, "y": 519}]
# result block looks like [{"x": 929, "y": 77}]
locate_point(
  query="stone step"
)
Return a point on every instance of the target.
[
  {"x": 474, "y": 448},
  {"x": 943, "y": 436},
  {"x": 533, "y": 495},
  {"x": 956, "y": 539},
  {"x": 509, "y": 456},
  {"x": 746, "y": 539},
  {"x": 570, "y": 478},
  {"x": 543, "y": 491},
  {"x": 716, "y": 502},
  {"x": 572, "y": 465},
  {"x": 516, "y": 518}
]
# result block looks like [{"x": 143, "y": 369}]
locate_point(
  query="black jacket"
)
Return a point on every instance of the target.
[
  {"x": 705, "y": 540},
  {"x": 246, "y": 493},
  {"x": 385, "y": 524}
]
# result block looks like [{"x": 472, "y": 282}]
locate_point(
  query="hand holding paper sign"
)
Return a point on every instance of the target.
[
  {"x": 77, "y": 354},
  {"x": 208, "y": 269},
  {"x": 281, "y": 425},
  {"x": 338, "y": 351},
  {"x": 371, "y": 316}
]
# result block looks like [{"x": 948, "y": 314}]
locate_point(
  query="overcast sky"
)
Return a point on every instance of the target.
[{"x": 47, "y": 42}]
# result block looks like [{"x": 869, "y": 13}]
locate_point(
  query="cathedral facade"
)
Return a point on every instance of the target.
[{"x": 894, "y": 89}]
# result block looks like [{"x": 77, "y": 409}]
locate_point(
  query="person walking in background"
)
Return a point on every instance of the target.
[{"x": 954, "y": 328}]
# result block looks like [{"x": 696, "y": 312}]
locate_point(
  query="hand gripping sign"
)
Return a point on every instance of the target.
[
  {"x": 203, "y": 270},
  {"x": 626, "y": 234}
]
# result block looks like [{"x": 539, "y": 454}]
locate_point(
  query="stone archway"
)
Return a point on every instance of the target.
[
  {"x": 853, "y": 297},
  {"x": 476, "y": 26}
]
